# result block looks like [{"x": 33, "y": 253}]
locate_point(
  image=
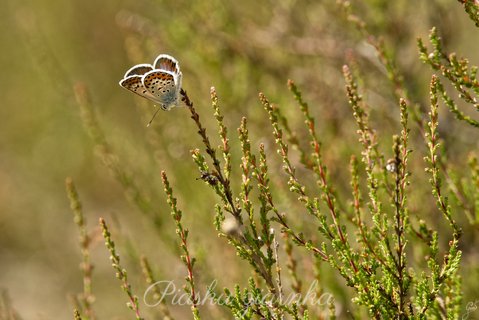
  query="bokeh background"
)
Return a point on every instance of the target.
[{"x": 241, "y": 48}]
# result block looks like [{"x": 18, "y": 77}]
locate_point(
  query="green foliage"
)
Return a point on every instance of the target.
[
  {"x": 183, "y": 235},
  {"x": 121, "y": 273},
  {"x": 457, "y": 71},
  {"x": 472, "y": 9},
  {"x": 86, "y": 298},
  {"x": 270, "y": 212}
]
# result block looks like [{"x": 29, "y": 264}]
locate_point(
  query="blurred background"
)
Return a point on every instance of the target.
[{"x": 241, "y": 48}]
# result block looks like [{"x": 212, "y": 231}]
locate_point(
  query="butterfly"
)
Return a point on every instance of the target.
[{"x": 160, "y": 82}]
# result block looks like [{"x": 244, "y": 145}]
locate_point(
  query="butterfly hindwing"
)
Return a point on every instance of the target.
[{"x": 162, "y": 85}]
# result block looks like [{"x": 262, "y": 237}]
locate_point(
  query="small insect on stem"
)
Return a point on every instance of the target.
[{"x": 210, "y": 178}]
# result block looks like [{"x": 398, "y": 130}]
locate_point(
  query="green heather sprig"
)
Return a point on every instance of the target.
[
  {"x": 292, "y": 138},
  {"x": 474, "y": 186},
  {"x": 295, "y": 186},
  {"x": 266, "y": 199},
  {"x": 432, "y": 159},
  {"x": 246, "y": 304},
  {"x": 121, "y": 273},
  {"x": 183, "y": 235},
  {"x": 472, "y": 9},
  {"x": 210, "y": 177},
  {"x": 373, "y": 248},
  {"x": 251, "y": 168},
  {"x": 451, "y": 104},
  {"x": 293, "y": 182},
  {"x": 443, "y": 277},
  {"x": 247, "y": 159},
  {"x": 319, "y": 168},
  {"x": 386, "y": 57},
  {"x": 371, "y": 159},
  {"x": 223, "y": 132},
  {"x": 157, "y": 295},
  {"x": 464, "y": 79},
  {"x": 279, "y": 281},
  {"x": 311, "y": 205},
  {"x": 461, "y": 76},
  {"x": 357, "y": 203},
  {"x": 224, "y": 181},
  {"x": 401, "y": 223},
  {"x": 319, "y": 282},
  {"x": 132, "y": 191},
  {"x": 250, "y": 302},
  {"x": 462, "y": 188},
  {"x": 87, "y": 298},
  {"x": 292, "y": 267},
  {"x": 260, "y": 173}
]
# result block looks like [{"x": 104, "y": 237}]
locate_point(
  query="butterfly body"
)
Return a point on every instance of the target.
[{"x": 160, "y": 82}]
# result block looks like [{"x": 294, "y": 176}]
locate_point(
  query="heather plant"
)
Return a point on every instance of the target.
[
  {"x": 348, "y": 191},
  {"x": 369, "y": 238}
]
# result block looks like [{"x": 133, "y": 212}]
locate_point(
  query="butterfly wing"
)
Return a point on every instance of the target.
[
  {"x": 167, "y": 63},
  {"x": 139, "y": 69},
  {"x": 135, "y": 85},
  {"x": 163, "y": 86}
]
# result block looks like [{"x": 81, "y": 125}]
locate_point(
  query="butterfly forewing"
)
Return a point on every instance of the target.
[
  {"x": 162, "y": 85},
  {"x": 134, "y": 84},
  {"x": 167, "y": 63}
]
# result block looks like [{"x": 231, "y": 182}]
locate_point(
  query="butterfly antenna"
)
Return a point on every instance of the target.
[{"x": 153, "y": 117}]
